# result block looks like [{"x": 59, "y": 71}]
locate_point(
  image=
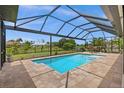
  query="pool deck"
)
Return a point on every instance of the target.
[{"x": 104, "y": 72}]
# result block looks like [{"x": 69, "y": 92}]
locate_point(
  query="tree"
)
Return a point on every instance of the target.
[
  {"x": 56, "y": 49},
  {"x": 55, "y": 44},
  {"x": 67, "y": 44},
  {"x": 14, "y": 45},
  {"x": 80, "y": 48},
  {"x": 27, "y": 45},
  {"x": 61, "y": 42},
  {"x": 14, "y": 48},
  {"x": 99, "y": 43},
  {"x": 118, "y": 42}
]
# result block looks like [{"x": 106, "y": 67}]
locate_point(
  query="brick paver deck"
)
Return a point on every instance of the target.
[{"x": 103, "y": 72}]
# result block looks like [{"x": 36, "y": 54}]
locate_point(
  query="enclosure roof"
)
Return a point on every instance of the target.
[
  {"x": 9, "y": 12},
  {"x": 64, "y": 21}
]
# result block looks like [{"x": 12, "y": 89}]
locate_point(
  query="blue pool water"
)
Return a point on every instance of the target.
[{"x": 66, "y": 63}]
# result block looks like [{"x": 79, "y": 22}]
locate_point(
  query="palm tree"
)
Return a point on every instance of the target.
[
  {"x": 99, "y": 43},
  {"x": 19, "y": 40},
  {"x": 118, "y": 42}
]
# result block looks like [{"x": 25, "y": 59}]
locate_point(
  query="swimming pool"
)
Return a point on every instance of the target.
[{"x": 63, "y": 64}]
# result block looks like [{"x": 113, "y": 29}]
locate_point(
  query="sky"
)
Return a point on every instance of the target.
[{"x": 52, "y": 25}]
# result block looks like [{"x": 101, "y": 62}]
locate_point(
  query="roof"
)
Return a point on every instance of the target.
[{"x": 9, "y": 12}]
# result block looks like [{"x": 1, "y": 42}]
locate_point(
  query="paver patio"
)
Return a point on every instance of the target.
[
  {"x": 14, "y": 75},
  {"x": 92, "y": 75}
]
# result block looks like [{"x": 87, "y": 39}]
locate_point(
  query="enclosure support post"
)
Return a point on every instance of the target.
[
  {"x": 85, "y": 44},
  {"x": 66, "y": 85},
  {"x": 122, "y": 52},
  {"x": 50, "y": 45},
  {"x": 111, "y": 45},
  {"x": 105, "y": 46},
  {"x": 2, "y": 44},
  {"x": 119, "y": 45}
]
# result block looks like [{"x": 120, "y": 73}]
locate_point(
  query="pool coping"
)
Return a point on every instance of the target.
[{"x": 65, "y": 55}]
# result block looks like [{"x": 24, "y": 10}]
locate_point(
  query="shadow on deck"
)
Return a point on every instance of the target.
[{"x": 15, "y": 76}]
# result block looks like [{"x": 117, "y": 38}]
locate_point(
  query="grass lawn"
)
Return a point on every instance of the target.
[{"x": 34, "y": 55}]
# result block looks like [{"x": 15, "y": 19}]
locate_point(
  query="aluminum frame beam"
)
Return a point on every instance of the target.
[
  {"x": 24, "y": 18},
  {"x": 44, "y": 23},
  {"x": 92, "y": 17},
  {"x": 112, "y": 31},
  {"x": 0, "y": 45},
  {"x": 38, "y": 32},
  {"x": 82, "y": 29},
  {"x": 31, "y": 20},
  {"x": 67, "y": 22},
  {"x": 71, "y": 23},
  {"x": 86, "y": 34},
  {"x": 49, "y": 15},
  {"x": 87, "y": 16},
  {"x": 106, "y": 37},
  {"x": 98, "y": 23},
  {"x": 50, "y": 45}
]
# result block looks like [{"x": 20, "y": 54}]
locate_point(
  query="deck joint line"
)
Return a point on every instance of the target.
[
  {"x": 89, "y": 72},
  {"x": 42, "y": 73}
]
